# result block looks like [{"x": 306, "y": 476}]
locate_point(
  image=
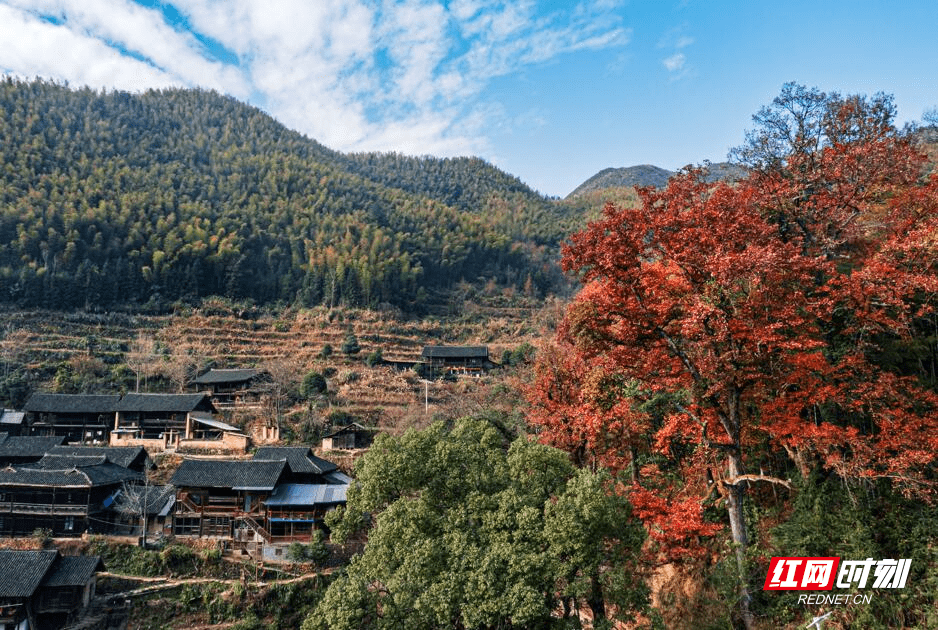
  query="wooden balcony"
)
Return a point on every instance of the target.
[{"x": 49, "y": 509}]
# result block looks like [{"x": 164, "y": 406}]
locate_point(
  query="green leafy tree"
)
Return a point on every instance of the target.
[{"x": 467, "y": 529}]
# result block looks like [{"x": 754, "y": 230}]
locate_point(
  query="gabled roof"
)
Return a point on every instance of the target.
[
  {"x": 71, "y": 403},
  {"x": 73, "y": 571},
  {"x": 29, "y": 445},
  {"x": 8, "y": 416},
  {"x": 214, "y": 376},
  {"x": 162, "y": 402},
  {"x": 124, "y": 456},
  {"x": 242, "y": 474},
  {"x": 454, "y": 352},
  {"x": 301, "y": 458},
  {"x": 83, "y": 475},
  {"x": 353, "y": 427},
  {"x": 21, "y": 572},
  {"x": 307, "y": 494}
]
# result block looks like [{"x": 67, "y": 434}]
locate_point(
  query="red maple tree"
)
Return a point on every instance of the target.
[{"x": 719, "y": 324}]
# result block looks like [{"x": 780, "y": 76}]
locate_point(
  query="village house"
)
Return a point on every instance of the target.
[
  {"x": 67, "y": 495},
  {"x": 224, "y": 498},
  {"x": 350, "y": 436},
  {"x": 77, "y": 417},
  {"x": 158, "y": 416},
  {"x": 174, "y": 421},
  {"x": 258, "y": 502},
  {"x": 44, "y": 589},
  {"x": 233, "y": 387},
  {"x": 456, "y": 360}
]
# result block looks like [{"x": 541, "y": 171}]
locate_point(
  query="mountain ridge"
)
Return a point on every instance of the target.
[
  {"x": 113, "y": 198},
  {"x": 650, "y": 175}
]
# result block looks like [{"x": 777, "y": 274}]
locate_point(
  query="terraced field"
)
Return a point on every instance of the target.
[{"x": 93, "y": 352}]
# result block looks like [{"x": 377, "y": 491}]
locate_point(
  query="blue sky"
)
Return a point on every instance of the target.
[{"x": 551, "y": 92}]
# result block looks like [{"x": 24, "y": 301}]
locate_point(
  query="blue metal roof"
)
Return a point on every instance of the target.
[{"x": 307, "y": 494}]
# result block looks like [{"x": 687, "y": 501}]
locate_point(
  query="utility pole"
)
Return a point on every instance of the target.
[{"x": 426, "y": 395}]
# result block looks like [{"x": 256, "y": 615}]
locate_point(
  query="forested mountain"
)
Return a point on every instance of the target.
[
  {"x": 648, "y": 175},
  {"x": 113, "y": 198}
]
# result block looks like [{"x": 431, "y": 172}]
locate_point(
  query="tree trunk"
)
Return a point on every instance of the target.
[
  {"x": 736, "y": 492},
  {"x": 734, "y": 507},
  {"x": 595, "y": 599}
]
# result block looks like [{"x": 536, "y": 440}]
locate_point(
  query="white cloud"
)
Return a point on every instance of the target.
[
  {"x": 675, "y": 62},
  {"x": 406, "y": 75},
  {"x": 31, "y": 47}
]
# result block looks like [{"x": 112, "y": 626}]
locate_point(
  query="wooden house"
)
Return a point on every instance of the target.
[
  {"x": 68, "y": 495},
  {"x": 224, "y": 498},
  {"x": 257, "y": 501},
  {"x": 77, "y": 417},
  {"x": 350, "y": 436},
  {"x": 233, "y": 387},
  {"x": 457, "y": 360},
  {"x": 44, "y": 589},
  {"x": 156, "y": 420}
]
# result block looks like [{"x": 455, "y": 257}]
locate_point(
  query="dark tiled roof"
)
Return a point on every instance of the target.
[
  {"x": 301, "y": 458},
  {"x": 82, "y": 476},
  {"x": 72, "y": 403},
  {"x": 107, "y": 474},
  {"x": 239, "y": 474},
  {"x": 21, "y": 572},
  {"x": 454, "y": 352},
  {"x": 349, "y": 428},
  {"x": 29, "y": 445},
  {"x": 226, "y": 376},
  {"x": 74, "y": 571},
  {"x": 161, "y": 402},
  {"x": 55, "y": 461},
  {"x": 121, "y": 455}
]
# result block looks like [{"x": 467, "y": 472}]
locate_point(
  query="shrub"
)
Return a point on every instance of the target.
[
  {"x": 314, "y": 384},
  {"x": 374, "y": 358},
  {"x": 350, "y": 345}
]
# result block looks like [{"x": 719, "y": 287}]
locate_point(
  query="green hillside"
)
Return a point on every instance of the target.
[{"x": 111, "y": 199}]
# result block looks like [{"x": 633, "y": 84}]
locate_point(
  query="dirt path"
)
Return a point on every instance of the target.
[{"x": 161, "y": 583}]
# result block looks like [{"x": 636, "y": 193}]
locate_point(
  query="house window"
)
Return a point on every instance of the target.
[{"x": 69, "y": 523}]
